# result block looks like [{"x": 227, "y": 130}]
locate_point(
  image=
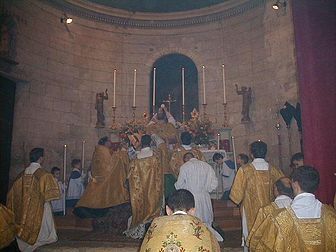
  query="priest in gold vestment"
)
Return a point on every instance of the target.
[
  {"x": 146, "y": 189},
  {"x": 177, "y": 157},
  {"x": 180, "y": 230},
  {"x": 29, "y": 200},
  {"x": 7, "y": 227},
  {"x": 307, "y": 225},
  {"x": 106, "y": 188},
  {"x": 253, "y": 186}
]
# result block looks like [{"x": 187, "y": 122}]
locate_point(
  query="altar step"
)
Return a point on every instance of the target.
[
  {"x": 226, "y": 215},
  {"x": 72, "y": 222}
]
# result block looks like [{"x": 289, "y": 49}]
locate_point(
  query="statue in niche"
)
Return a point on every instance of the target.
[
  {"x": 8, "y": 30},
  {"x": 246, "y": 92},
  {"x": 100, "y": 97}
]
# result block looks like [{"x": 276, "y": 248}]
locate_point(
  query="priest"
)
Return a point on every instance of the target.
[{"x": 29, "y": 200}]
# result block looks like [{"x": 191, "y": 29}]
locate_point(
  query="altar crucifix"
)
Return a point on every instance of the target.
[{"x": 169, "y": 101}]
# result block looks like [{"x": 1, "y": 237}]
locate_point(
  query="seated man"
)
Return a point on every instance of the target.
[
  {"x": 29, "y": 200},
  {"x": 228, "y": 173},
  {"x": 283, "y": 193},
  {"x": 307, "y": 225},
  {"x": 180, "y": 230}
]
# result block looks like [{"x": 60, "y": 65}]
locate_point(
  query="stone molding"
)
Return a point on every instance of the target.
[{"x": 117, "y": 17}]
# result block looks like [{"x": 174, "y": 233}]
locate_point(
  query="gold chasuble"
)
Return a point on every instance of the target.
[
  {"x": 283, "y": 231},
  {"x": 166, "y": 131},
  {"x": 7, "y": 226},
  {"x": 26, "y": 199},
  {"x": 146, "y": 189},
  {"x": 176, "y": 160},
  {"x": 254, "y": 189},
  {"x": 179, "y": 233},
  {"x": 107, "y": 188}
]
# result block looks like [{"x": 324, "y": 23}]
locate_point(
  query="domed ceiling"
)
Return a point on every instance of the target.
[{"x": 157, "y": 5}]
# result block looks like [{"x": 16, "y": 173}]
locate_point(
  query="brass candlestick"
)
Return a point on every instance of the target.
[
  {"x": 114, "y": 125},
  {"x": 183, "y": 113},
  {"x": 225, "y": 122},
  {"x": 204, "y": 110},
  {"x": 133, "y": 113}
]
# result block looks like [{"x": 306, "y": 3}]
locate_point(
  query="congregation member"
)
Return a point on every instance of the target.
[
  {"x": 307, "y": 225},
  {"x": 75, "y": 188},
  {"x": 29, "y": 200},
  {"x": 58, "y": 205},
  {"x": 176, "y": 160},
  {"x": 200, "y": 179},
  {"x": 179, "y": 230},
  {"x": 106, "y": 188},
  {"x": 145, "y": 179},
  {"x": 253, "y": 186},
  {"x": 242, "y": 159},
  {"x": 227, "y": 173},
  {"x": 283, "y": 193}
]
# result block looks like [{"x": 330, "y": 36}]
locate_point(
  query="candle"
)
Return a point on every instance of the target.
[
  {"x": 83, "y": 154},
  {"x": 134, "y": 86},
  {"x": 183, "y": 86},
  {"x": 224, "y": 87},
  {"x": 64, "y": 173},
  {"x": 203, "y": 80},
  {"x": 218, "y": 137},
  {"x": 114, "y": 87},
  {"x": 154, "y": 73}
]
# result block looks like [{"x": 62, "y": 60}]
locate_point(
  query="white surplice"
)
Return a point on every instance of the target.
[
  {"x": 200, "y": 179},
  {"x": 47, "y": 232},
  {"x": 76, "y": 186},
  {"x": 58, "y": 205}
]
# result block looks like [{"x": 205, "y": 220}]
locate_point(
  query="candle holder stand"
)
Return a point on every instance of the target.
[
  {"x": 183, "y": 113},
  {"x": 153, "y": 110},
  {"x": 204, "y": 110},
  {"x": 133, "y": 112},
  {"x": 225, "y": 122},
  {"x": 114, "y": 125}
]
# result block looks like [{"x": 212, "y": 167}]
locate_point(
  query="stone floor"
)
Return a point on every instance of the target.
[{"x": 84, "y": 241}]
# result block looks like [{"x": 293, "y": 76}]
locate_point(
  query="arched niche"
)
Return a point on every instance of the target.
[{"x": 169, "y": 82}]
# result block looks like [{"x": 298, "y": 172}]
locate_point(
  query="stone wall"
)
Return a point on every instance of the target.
[{"x": 65, "y": 66}]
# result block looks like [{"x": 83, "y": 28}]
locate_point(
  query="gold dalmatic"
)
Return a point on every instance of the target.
[
  {"x": 107, "y": 188},
  {"x": 146, "y": 189},
  {"x": 166, "y": 131},
  {"x": 254, "y": 189},
  {"x": 176, "y": 160},
  {"x": 7, "y": 226},
  {"x": 179, "y": 233},
  {"x": 26, "y": 199},
  {"x": 283, "y": 231}
]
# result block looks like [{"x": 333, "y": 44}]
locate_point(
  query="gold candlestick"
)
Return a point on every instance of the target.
[
  {"x": 183, "y": 113},
  {"x": 225, "y": 122},
  {"x": 204, "y": 110},
  {"x": 153, "y": 112},
  {"x": 114, "y": 125},
  {"x": 133, "y": 113}
]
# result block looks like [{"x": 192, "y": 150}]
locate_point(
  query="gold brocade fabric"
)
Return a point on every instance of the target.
[
  {"x": 254, "y": 189},
  {"x": 164, "y": 156},
  {"x": 176, "y": 160},
  {"x": 180, "y": 233},
  {"x": 107, "y": 188},
  {"x": 7, "y": 226},
  {"x": 283, "y": 231},
  {"x": 146, "y": 189},
  {"x": 26, "y": 199},
  {"x": 166, "y": 131}
]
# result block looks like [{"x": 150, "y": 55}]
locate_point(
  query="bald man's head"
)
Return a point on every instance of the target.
[{"x": 283, "y": 186}]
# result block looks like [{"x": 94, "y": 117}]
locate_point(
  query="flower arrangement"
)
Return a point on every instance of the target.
[{"x": 201, "y": 129}]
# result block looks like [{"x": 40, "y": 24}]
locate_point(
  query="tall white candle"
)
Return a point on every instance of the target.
[
  {"x": 64, "y": 173},
  {"x": 114, "y": 87},
  {"x": 83, "y": 154},
  {"x": 218, "y": 137},
  {"x": 203, "y": 81},
  {"x": 183, "y": 86},
  {"x": 134, "y": 86},
  {"x": 224, "y": 86},
  {"x": 154, "y": 83}
]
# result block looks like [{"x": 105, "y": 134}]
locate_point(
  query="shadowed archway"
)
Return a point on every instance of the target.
[{"x": 169, "y": 82}]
